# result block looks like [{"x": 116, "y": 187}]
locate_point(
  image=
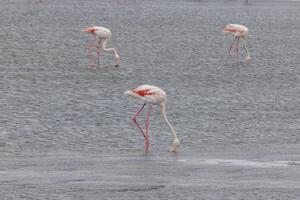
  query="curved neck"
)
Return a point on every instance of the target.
[
  {"x": 109, "y": 49},
  {"x": 244, "y": 43},
  {"x": 164, "y": 116}
]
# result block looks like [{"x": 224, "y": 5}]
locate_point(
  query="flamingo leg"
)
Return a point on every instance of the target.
[
  {"x": 147, "y": 129},
  {"x": 90, "y": 56},
  {"x": 89, "y": 48},
  {"x": 232, "y": 44},
  {"x": 237, "y": 49},
  {"x": 135, "y": 122},
  {"x": 98, "y": 51}
]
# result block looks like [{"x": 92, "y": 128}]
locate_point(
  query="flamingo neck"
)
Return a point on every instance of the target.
[
  {"x": 164, "y": 116},
  {"x": 248, "y": 55},
  {"x": 110, "y": 49}
]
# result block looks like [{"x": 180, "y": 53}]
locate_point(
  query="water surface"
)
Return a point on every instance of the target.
[{"x": 65, "y": 128}]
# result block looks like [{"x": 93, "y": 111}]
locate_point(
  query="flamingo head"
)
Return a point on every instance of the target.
[
  {"x": 117, "y": 60},
  {"x": 228, "y": 28},
  {"x": 248, "y": 59},
  {"x": 90, "y": 30},
  {"x": 175, "y": 145}
]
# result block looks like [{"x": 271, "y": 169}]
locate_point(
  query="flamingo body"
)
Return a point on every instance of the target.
[
  {"x": 152, "y": 95},
  {"x": 149, "y": 93},
  {"x": 99, "y": 31},
  {"x": 239, "y": 31},
  {"x": 103, "y": 35},
  {"x": 236, "y": 29}
]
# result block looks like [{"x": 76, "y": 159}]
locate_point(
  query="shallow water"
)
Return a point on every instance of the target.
[
  {"x": 156, "y": 176},
  {"x": 238, "y": 124}
]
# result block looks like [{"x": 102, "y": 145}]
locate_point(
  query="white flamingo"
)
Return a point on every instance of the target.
[
  {"x": 152, "y": 95},
  {"x": 239, "y": 31},
  {"x": 103, "y": 35}
]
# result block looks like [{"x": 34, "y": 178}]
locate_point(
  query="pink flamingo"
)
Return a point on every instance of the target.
[
  {"x": 152, "y": 95},
  {"x": 238, "y": 31},
  {"x": 103, "y": 35}
]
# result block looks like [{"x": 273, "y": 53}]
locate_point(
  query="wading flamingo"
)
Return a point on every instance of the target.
[
  {"x": 103, "y": 35},
  {"x": 238, "y": 31},
  {"x": 152, "y": 95}
]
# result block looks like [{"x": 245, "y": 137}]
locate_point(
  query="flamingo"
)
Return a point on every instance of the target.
[
  {"x": 152, "y": 95},
  {"x": 239, "y": 31},
  {"x": 103, "y": 35}
]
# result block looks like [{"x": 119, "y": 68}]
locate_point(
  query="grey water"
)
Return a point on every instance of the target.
[{"x": 65, "y": 127}]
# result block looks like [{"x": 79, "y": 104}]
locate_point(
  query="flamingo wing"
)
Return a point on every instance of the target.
[{"x": 142, "y": 92}]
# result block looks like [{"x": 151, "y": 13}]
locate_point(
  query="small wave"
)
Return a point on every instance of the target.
[
  {"x": 144, "y": 189},
  {"x": 245, "y": 163}
]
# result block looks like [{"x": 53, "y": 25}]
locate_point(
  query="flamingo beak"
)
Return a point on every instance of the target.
[
  {"x": 89, "y": 30},
  {"x": 225, "y": 30}
]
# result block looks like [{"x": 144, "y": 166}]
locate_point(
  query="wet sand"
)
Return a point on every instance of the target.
[
  {"x": 65, "y": 128},
  {"x": 155, "y": 176}
]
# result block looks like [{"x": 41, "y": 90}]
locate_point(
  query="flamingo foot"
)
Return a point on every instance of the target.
[
  {"x": 146, "y": 146},
  {"x": 117, "y": 65},
  {"x": 92, "y": 65}
]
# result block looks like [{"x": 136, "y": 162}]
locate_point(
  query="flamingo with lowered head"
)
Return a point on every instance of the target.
[
  {"x": 103, "y": 35},
  {"x": 152, "y": 95},
  {"x": 239, "y": 31}
]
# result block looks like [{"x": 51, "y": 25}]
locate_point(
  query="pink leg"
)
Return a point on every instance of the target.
[
  {"x": 147, "y": 129},
  {"x": 232, "y": 44},
  {"x": 90, "y": 56},
  {"x": 135, "y": 122},
  {"x": 89, "y": 47},
  {"x": 98, "y": 51},
  {"x": 237, "y": 49}
]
